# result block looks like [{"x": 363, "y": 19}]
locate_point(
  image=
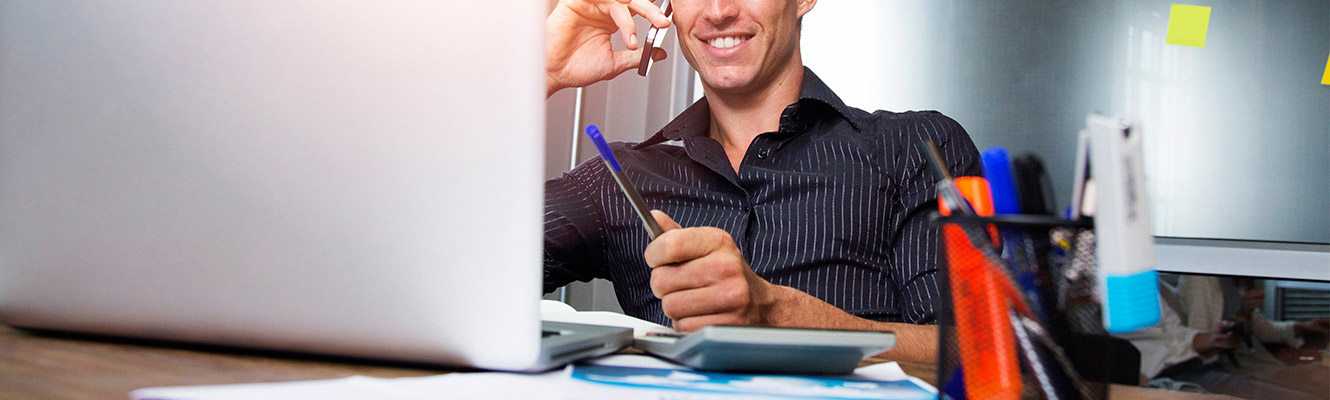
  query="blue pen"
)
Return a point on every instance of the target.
[{"x": 606, "y": 155}]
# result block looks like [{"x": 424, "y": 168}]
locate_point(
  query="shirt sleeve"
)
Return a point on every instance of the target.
[
  {"x": 1164, "y": 345},
  {"x": 1268, "y": 331},
  {"x": 914, "y": 252},
  {"x": 574, "y": 227},
  {"x": 1202, "y": 302}
]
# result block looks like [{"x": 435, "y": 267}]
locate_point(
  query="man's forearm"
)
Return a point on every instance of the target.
[{"x": 794, "y": 308}]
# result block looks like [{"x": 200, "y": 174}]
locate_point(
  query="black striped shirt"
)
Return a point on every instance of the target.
[{"x": 816, "y": 205}]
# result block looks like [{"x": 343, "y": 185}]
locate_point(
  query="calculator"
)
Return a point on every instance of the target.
[{"x": 755, "y": 349}]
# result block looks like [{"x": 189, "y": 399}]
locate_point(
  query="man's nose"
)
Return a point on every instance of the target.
[{"x": 718, "y": 12}]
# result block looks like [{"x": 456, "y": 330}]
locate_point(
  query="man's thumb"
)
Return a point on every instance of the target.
[{"x": 666, "y": 223}]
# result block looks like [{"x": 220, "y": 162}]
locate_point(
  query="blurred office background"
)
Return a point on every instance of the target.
[{"x": 1237, "y": 132}]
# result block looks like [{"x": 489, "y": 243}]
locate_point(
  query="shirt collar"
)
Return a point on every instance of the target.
[{"x": 696, "y": 119}]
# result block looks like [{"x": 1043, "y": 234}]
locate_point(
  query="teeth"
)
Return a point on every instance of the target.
[{"x": 726, "y": 42}]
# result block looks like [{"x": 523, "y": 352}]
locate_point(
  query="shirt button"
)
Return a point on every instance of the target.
[{"x": 762, "y": 154}]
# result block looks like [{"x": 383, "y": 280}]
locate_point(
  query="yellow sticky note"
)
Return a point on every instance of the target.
[
  {"x": 1325, "y": 80},
  {"x": 1187, "y": 25}
]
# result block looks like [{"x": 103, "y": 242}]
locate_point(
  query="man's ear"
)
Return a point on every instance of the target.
[{"x": 805, "y": 6}]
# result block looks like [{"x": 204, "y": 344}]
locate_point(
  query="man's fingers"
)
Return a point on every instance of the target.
[
  {"x": 624, "y": 20},
  {"x": 625, "y": 60},
  {"x": 651, "y": 12},
  {"x": 693, "y": 274},
  {"x": 704, "y": 301},
  {"x": 681, "y": 245},
  {"x": 666, "y": 223},
  {"x": 691, "y": 324},
  {"x": 667, "y": 280}
]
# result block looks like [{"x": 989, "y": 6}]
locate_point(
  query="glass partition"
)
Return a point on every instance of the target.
[{"x": 1237, "y": 131}]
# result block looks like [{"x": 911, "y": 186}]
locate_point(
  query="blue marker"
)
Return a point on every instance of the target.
[
  {"x": 616, "y": 170},
  {"x": 997, "y": 170},
  {"x": 1018, "y": 250}
]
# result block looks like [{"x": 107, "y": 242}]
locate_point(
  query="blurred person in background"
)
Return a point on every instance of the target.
[{"x": 1209, "y": 301}]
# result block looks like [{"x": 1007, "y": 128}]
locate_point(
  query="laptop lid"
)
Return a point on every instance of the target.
[{"x": 345, "y": 177}]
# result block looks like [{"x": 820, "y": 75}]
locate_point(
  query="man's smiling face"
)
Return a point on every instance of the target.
[{"x": 740, "y": 45}]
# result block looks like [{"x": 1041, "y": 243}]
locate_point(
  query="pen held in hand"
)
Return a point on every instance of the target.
[{"x": 616, "y": 170}]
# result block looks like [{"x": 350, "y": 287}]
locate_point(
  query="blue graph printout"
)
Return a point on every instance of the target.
[{"x": 775, "y": 386}]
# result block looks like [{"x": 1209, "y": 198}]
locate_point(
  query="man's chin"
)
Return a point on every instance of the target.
[{"x": 730, "y": 79}]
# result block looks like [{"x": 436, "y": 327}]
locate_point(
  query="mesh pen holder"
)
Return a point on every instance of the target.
[{"x": 1020, "y": 317}]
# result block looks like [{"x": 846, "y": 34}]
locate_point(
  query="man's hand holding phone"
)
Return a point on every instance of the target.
[
  {"x": 577, "y": 40},
  {"x": 1223, "y": 337}
]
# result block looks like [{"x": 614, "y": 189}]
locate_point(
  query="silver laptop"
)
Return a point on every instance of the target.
[{"x": 341, "y": 177}]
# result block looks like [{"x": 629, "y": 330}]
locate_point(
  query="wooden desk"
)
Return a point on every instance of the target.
[
  {"x": 42, "y": 367},
  {"x": 63, "y": 367}
]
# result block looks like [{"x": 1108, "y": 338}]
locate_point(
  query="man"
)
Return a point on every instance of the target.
[
  {"x": 1209, "y": 301},
  {"x": 1174, "y": 356},
  {"x": 799, "y": 211}
]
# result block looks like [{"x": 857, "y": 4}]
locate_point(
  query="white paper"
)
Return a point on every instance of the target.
[
  {"x": 889, "y": 371},
  {"x": 478, "y": 385},
  {"x": 635, "y": 360},
  {"x": 547, "y": 306},
  {"x": 481, "y": 385},
  {"x": 345, "y": 388},
  {"x": 605, "y": 318}
]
